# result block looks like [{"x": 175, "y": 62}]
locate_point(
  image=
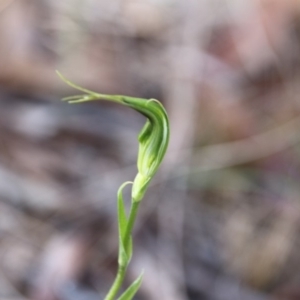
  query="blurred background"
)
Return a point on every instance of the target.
[{"x": 221, "y": 220}]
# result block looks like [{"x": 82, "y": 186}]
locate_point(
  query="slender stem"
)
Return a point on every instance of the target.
[
  {"x": 122, "y": 269},
  {"x": 130, "y": 223},
  {"x": 117, "y": 283}
]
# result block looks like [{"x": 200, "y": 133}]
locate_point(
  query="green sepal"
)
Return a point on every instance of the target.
[{"x": 132, "y": 290}]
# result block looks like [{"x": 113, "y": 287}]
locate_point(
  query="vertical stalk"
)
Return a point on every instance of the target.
[
  {"x": 122, "y": 269},
  {"x": 130, "y": 223},
  {"x": 117, "y": 283}
]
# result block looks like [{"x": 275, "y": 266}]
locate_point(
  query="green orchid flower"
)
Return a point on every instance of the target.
[
  {"x": 153, "y": 142},
  {"x": 153, "y": 138}
]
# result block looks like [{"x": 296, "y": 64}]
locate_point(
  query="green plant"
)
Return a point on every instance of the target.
[{"x": 153, "y": 142}]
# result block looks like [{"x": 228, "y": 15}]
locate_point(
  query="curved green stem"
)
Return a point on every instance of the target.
[{"x": 122, "y": 269}]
